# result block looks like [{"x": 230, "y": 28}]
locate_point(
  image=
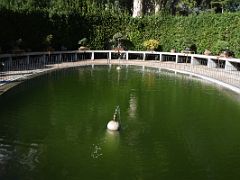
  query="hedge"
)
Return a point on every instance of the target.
[{"x": 203, "y": 30}]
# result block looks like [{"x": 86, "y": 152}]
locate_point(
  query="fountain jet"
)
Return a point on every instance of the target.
[{"x": 114, "y": 124}]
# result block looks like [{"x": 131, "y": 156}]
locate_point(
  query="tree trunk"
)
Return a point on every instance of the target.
[
  {"x": 157, "y": 6},
  {"x": 137, "y": 8}
]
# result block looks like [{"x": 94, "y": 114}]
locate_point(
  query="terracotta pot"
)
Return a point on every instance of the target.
[{"x": 207, "y": 52}]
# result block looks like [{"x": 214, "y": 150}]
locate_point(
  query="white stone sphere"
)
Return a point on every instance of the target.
[{"x": 113, "y": 125}]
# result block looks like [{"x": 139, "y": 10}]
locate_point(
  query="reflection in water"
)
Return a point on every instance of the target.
[
  {"x": 118, "y": 76},
  {"x": 109, "y": 144},
  {"x": 111, "y": 139},
  {"x": 132, "y": 106},
  {"x": 109, "y": 68},
  {"x": 5, "y": 153},
  {"x": 96, "y": 151},
  {"x": 30, "y": 158},
  {"x": 26, "y": 156},
  {"x": 5, "y": 157}
]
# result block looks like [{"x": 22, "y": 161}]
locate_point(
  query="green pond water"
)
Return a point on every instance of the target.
[{"x": 172, "y": 127}]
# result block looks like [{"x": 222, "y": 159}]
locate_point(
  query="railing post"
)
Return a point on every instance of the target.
[
  {"x": 144, "y": 56},
  {"x": 110, "y": 55},
  {"x": 92, "y": 57},
  {"x": 211, "y": 63},
  {"x": 10, "y": 62},
  {"x": 229, "y": 66},
  {"x": 194, "y": 61},
  {"x": 75, "y": 57},
  {"x": 28, "y": 59},
  {"x": 177, "y": 58},
  {"x": 160, "y": 57},
  {"x": 27, "y": 63},
  {"x": 191, "y": 59},
  {"x": 60, "y": 57},
  {"x": 44, "y": 58},
  {"x": 127, "y": 55}
]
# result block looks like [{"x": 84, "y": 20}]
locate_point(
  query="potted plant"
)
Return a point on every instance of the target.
[
  {"x": 83, "y": 44},
  {"x": 48, "y": 42},
  {"x": 189, "y": 47},
  {"x": 207, "y": 52},
  {"x": 120, "y": 42},
  {"x": 151, "y": 44}
]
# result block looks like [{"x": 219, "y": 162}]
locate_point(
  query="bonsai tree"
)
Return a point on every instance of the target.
[
  {"x": 83, "y": 44},
  {"x": 151, "y": 44},
  {"x": 48, "y": 42},
  {"x": 120, "y": 41}
]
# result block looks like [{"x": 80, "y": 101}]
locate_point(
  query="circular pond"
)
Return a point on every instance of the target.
[{"x": 172, "y": 127}]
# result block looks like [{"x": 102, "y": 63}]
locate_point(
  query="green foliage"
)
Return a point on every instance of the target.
[
  {"x": 220, "y": 46},
  {"x": 67, "y": 27},
  {"x": 151, "y": 44},
  {"x": 180, "y": 32}
]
